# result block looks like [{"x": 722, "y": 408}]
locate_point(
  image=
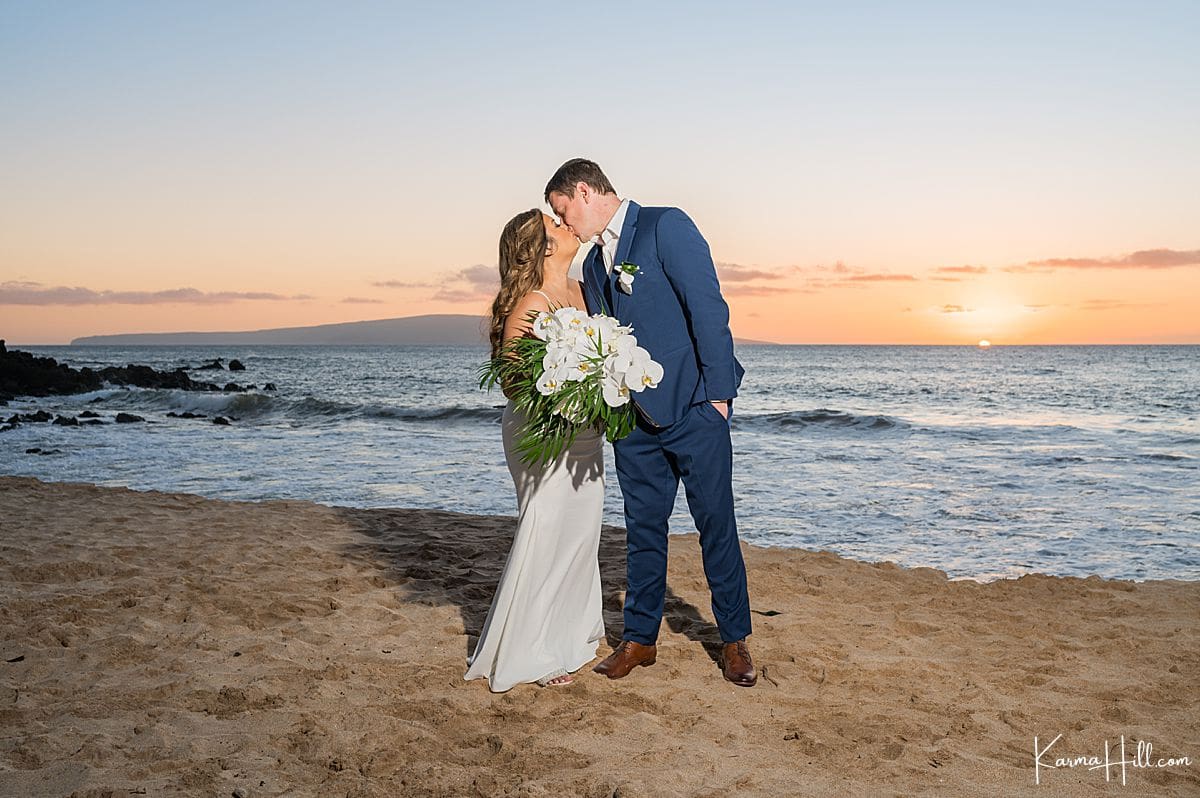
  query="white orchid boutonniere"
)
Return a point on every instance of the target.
[{"x": 627, "y": 271}]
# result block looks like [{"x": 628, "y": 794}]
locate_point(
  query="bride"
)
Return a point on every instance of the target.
[{"x": 545, "y": 620}]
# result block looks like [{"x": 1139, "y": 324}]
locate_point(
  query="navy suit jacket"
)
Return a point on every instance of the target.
[{"x": 675, "y": 308}]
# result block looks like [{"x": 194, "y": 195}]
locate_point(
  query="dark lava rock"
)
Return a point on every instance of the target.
[
  {"x": 89, "y": 414},
  {"x": 92, "y": 421},
  {"x": 186, "y": 414},
  {"x": 215, "y": 363},
  {"x": 221, "y": 420},
  {"x": 128, "y": 418},
  {"x": 36, "y": 450},
  {"x": 23, "y": 374},
  {"x": 233, "y": 386},
  {"x": 146, "y": 377},
  {"x": 66, "y": 421},
  {"x": 37, "y": 418},
  {"x": 236, "y": 365},
  {"x": 270, "y": 386}
]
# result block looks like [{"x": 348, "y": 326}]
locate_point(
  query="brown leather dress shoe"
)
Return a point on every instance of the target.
[
  {"x": 625, "y": 657},
  {"x": 737, "y": 665}
]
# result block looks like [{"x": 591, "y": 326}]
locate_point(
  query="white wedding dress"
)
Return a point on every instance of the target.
[{"x": 546, "y": 616}]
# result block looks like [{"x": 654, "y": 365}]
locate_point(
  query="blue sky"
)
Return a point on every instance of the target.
[{"x": 241, "y": 146}]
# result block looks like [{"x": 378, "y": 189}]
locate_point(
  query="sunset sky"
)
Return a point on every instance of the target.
[{"x": 933, "y": 173}]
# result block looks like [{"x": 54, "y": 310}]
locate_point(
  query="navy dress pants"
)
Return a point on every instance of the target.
[{"x": 650, "y": 463}]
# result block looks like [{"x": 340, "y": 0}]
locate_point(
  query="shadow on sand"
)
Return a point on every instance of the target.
[{"x": 460, "y": 558}]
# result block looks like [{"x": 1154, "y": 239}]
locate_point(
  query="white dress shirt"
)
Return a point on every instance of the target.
[
  {"x": 575, "y": 270},
  {"x": 611, "y": 234}
]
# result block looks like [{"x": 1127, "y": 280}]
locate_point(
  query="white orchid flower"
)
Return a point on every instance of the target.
[
  {"x": 571, "y": 319},
  {"x": 546, "y": 325},
  {"x": 614, "y": 391},
  {"x": 561, "y": 349},
  {"x": 625, "y": 274},
  {"x": 580, "y": 370},
  {"x": 551, "y": 381},
  {"x": 643, "y": 371},
  {"x": 601, "y": 331},
  {"x": 556, "y": 365},
  {"x": 620, "y": 354}
]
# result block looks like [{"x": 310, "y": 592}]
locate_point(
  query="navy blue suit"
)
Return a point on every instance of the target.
[{"x": 679, "y": 316}]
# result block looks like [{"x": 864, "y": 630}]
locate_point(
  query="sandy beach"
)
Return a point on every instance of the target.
[{"x": 167, "y": 644}]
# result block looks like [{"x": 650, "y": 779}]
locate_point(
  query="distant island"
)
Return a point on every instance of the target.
[{"x": 445, "y": 328}]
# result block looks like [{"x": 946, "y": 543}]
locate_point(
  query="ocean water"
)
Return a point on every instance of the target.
[{"x": 1068, "y": 460}]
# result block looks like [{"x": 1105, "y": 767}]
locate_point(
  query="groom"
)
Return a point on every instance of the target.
[{"x": 675, "y": 307}]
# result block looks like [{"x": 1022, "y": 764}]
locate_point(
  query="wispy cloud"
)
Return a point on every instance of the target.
[
  {"x": 738, "y": 289},
  {"x": 480, "y": 276},
  {"x": 739, "y": 280},
  {"x": 1114, "y": 304},
  {"x": 1142, "y": 259},
  {"x": 362, "y": 300},
  {"x": 400, "y": 284},
  {"x": 458, "y": 295},
  {"x": 941, "y": 273},
  {"x": 30, "y": 293},
  {"x": 954, "y": 309},
  {"x": 962, "y": 269},
  {"x": 839, "y": 274},
  {"x": 470, "y": 284},
  {"x": 736, "y": 273},
  {"x": 838, "y": 268},
  {"x": 881, "y": 278}
]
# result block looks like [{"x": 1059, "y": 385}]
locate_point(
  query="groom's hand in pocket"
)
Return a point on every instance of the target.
[{"x": 722, "y": 408}]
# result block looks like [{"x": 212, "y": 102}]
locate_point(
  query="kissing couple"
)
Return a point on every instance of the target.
[{"x": 546, "y": 621}]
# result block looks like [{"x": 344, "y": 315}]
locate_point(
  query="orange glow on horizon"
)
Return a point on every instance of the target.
[{"x": 1137, "y": 307}]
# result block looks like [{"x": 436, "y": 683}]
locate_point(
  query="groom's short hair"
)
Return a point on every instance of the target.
[{"x": 575, "y": 171}]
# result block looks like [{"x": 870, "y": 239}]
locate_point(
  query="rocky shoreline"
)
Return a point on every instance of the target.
[{"x": 23, "y": 374}]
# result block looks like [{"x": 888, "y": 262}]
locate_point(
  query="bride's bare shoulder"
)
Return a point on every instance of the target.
[
  {"x": 522, "y": 313},
  {"x": 533, "y": 301}
]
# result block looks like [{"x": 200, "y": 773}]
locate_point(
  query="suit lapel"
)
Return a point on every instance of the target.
[{"x": 628, "y": 228}]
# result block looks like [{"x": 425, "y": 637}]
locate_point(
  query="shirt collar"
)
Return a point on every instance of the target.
[{"x": 613, "y": 231}]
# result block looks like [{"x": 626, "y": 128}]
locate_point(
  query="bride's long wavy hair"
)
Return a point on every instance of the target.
[{"x": 522, "y": 253}]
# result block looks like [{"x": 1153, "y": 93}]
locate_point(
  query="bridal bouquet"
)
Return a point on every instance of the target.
[{"x": 575, "y": 371}]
